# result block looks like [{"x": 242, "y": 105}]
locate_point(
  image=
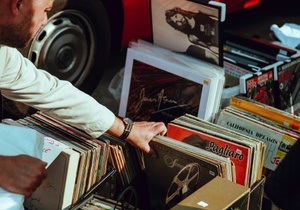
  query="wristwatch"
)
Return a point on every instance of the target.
[{"x": 128, "y": 123}]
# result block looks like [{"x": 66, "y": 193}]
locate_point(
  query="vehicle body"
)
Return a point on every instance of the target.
[
  {"x": 134, "y": 17},
  {"x": 76, "y": 43}
]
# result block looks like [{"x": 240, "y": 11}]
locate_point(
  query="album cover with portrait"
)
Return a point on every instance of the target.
[{"x": 189, "y": 27}]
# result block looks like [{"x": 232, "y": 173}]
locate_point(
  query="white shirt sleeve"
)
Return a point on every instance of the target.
[{"x": 21, "y": 81}]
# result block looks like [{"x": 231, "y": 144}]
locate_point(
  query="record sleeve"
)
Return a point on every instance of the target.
[
  {"x": 287, "y": 78},
  {"x": 267, "y": 112},
  {"x": 76, "y": 135},
  {"x": 259, "y": 86},
  {"x": 250, "y": 165},
  {"x": 56, "y": 191},
  {"x": 277, "y": 142},
  {"x": 190, "y": 27},
  {"x": 130, "y": 159},
  {"x": 263, "y": 49},
  {"x": 178, "y": 170},
  {"x": 84, "y": 150},
  {"x": 160, "y": 83},
  {"x": 241, "y": 155}
]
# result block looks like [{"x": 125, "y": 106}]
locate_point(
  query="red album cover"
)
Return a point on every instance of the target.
[
  {"x": 259, "y": 86},
  {"x": 239, "y": 154}
]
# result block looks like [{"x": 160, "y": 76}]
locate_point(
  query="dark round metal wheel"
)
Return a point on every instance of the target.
[{"x": 75, "y": 44}]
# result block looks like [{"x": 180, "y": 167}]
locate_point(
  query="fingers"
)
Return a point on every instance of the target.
[
  {"x": 163, "y": 129},
  {"x": 143, "y": 132},
  {"x": 159, "y": 128}
]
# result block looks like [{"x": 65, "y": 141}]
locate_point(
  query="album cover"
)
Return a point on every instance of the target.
[
  {"x": 160, "y": 85},
  {"x": 264, "y": 51},
  {"x": 190, "y": 27},
  {"x": 84, "y": 151},
  {"x": 270, "y": 113},
  {"x": 240, "y": 154},
  {"x": 77, "y": 137},
  {"x": 56, "y": 191},
  {"x": 154, "y": 90},
  {"x": 92, "y": 157},
  {"x": 278, "y": 140},
  {"x": 245, "y": 152},
  {"x": 259, "y": 86},
  {"x": 287, "y": 78},
  {"x": 178, "y": 170},
  {"x": 245, "y": 56},
  {"x": 233, "y": 70},
  {"x": 127, "y": 163}
]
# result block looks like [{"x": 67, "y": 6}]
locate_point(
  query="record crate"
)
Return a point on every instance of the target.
[
  {"x": 223, "y": 194},
  {"x": 257, "y": 194}
]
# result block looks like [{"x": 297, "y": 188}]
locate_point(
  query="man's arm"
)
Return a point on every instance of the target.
[{"x": 61, "y": 100}]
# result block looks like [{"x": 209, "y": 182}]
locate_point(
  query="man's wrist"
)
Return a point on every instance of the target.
[{"x": 128, "y": 124}]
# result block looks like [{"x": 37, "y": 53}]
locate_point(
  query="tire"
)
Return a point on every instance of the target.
[{"x": 75, "y": 43}]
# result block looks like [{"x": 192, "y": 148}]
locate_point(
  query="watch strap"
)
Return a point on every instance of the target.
[{"x": 128, "y": 126}]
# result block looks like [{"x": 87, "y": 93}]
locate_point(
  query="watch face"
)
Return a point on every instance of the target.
[{"x": 126, "y": 120}]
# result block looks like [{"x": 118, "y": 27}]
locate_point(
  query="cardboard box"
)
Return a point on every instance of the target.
[{"x": 218, "y": 194}]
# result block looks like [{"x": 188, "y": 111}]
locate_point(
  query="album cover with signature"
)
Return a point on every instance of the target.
[{"x": 157, "y": 86}]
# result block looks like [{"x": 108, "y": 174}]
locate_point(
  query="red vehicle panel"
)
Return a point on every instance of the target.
[{"x": 137, "y": 16}]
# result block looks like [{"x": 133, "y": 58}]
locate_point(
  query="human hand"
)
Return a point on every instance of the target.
[
  {"x": 21, "y": 174},
  {"x": 142, "y": 133}
]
